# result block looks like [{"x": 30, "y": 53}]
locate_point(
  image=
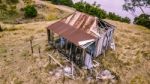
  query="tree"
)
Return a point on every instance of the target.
[
  {"x": 30, "y": 11},
  {"x": 63, "y": 2},
  {"x": 66, "y": 2},
  {"x": 143, "y": 20},
  {"x": 55, "y": 1},
  {"x": 115, "y": 17},
  {"x": 90, "y": 9},
  {"x": 126, "y": 20},
  {"x": 131, "y": 5}
]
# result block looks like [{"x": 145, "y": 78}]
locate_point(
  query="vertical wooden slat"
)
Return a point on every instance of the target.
[
  {"x": 70, "y": 51},
  {"x": 83, "y": 56},
  {"x": 66, "y": 46},
  {"x": 48, "y": 35}
]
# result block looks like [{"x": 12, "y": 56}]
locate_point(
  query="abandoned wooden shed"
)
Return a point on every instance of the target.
[{"x": 81, "y": 37}]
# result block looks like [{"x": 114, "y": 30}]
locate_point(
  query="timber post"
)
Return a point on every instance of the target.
[
  {"x": 39, "y": 49},
  {"x": 31, "y": 44},
  {"x": 48, "y": 35},
  {"x": 83, "y": 56}
]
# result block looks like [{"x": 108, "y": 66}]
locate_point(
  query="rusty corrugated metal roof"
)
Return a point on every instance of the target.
[
  {"x": 78, "y": 27},
  {"x": 80, "y": 21},
  {"x": 70, "y": 33}
]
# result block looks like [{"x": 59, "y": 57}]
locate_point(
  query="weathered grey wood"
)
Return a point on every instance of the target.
[
  {"x": 52, "y": 38},
  {"x": 75, "y": 52},
  {"x": 66, "y": 46},
  {"x": 56, "y": 61},
  {"x": 70, "y": 51},
  {"x": 48, "y": 35},
  {"x": 72, "y": 70},
  {"x": 83, "y": 56}
]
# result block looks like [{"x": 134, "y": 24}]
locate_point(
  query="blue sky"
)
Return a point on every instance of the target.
[{"x": 116, "y": 6}]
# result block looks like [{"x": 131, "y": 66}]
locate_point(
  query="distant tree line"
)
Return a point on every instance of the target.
[
  {"x": 90, "y": 9},
  {"x": 93, "y": 9},
  {"x": 115, "y": 17},
  {"x": 62, "y": 2}
]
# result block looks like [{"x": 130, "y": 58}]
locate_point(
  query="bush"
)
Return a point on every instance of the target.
[
  {"x": 143, "y": 20},
  {"x": 126, "y": 20},
  {"x": 90, "y": 9},
  {"x": 30, "y": 11},
  {"x": 113, "y": 16},
  {"x": 54, "y": 1},
  {"x": 63, "y": 2},
  {"x": 66, "y": 2}
]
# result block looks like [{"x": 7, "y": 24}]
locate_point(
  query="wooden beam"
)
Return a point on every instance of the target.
[
  {"x": 48, "y": 35},
  {"x": 76, "y": 53},
  {"x": 56, "y": 61},
  {"x": 52, "y": 38},
  {"x": 66, "y": 46},
  {"x": 70, "y": 51},
  {"x": 83, "y": 55}
]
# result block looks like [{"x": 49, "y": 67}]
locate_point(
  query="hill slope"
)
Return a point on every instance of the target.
[
  {"x": 14, "y": 13},
  {"x": 130, "y": 62}
]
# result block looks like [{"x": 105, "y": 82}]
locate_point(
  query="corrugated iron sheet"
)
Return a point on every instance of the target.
[
  {"x": 80, "y": 21},
  {"x": 78, "y": 27},
  {"x": 70, "y": 33}
]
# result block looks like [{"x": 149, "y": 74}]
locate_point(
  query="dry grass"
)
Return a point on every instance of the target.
[
  {"x": 46, "y": 12},
  {"x": 18, "y": 65},
  {"x": 131, "y": 60}
]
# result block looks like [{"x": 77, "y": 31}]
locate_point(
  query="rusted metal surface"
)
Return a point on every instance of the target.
[
  {"x": 70, "y": 33},
  {"x": 80, "y": 21},
  {"x": 79, "y": 27}
]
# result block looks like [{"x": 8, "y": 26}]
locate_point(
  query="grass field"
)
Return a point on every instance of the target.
[
  {"x": 130, "y": 61},
  {"x": 46, "y": 12}
]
